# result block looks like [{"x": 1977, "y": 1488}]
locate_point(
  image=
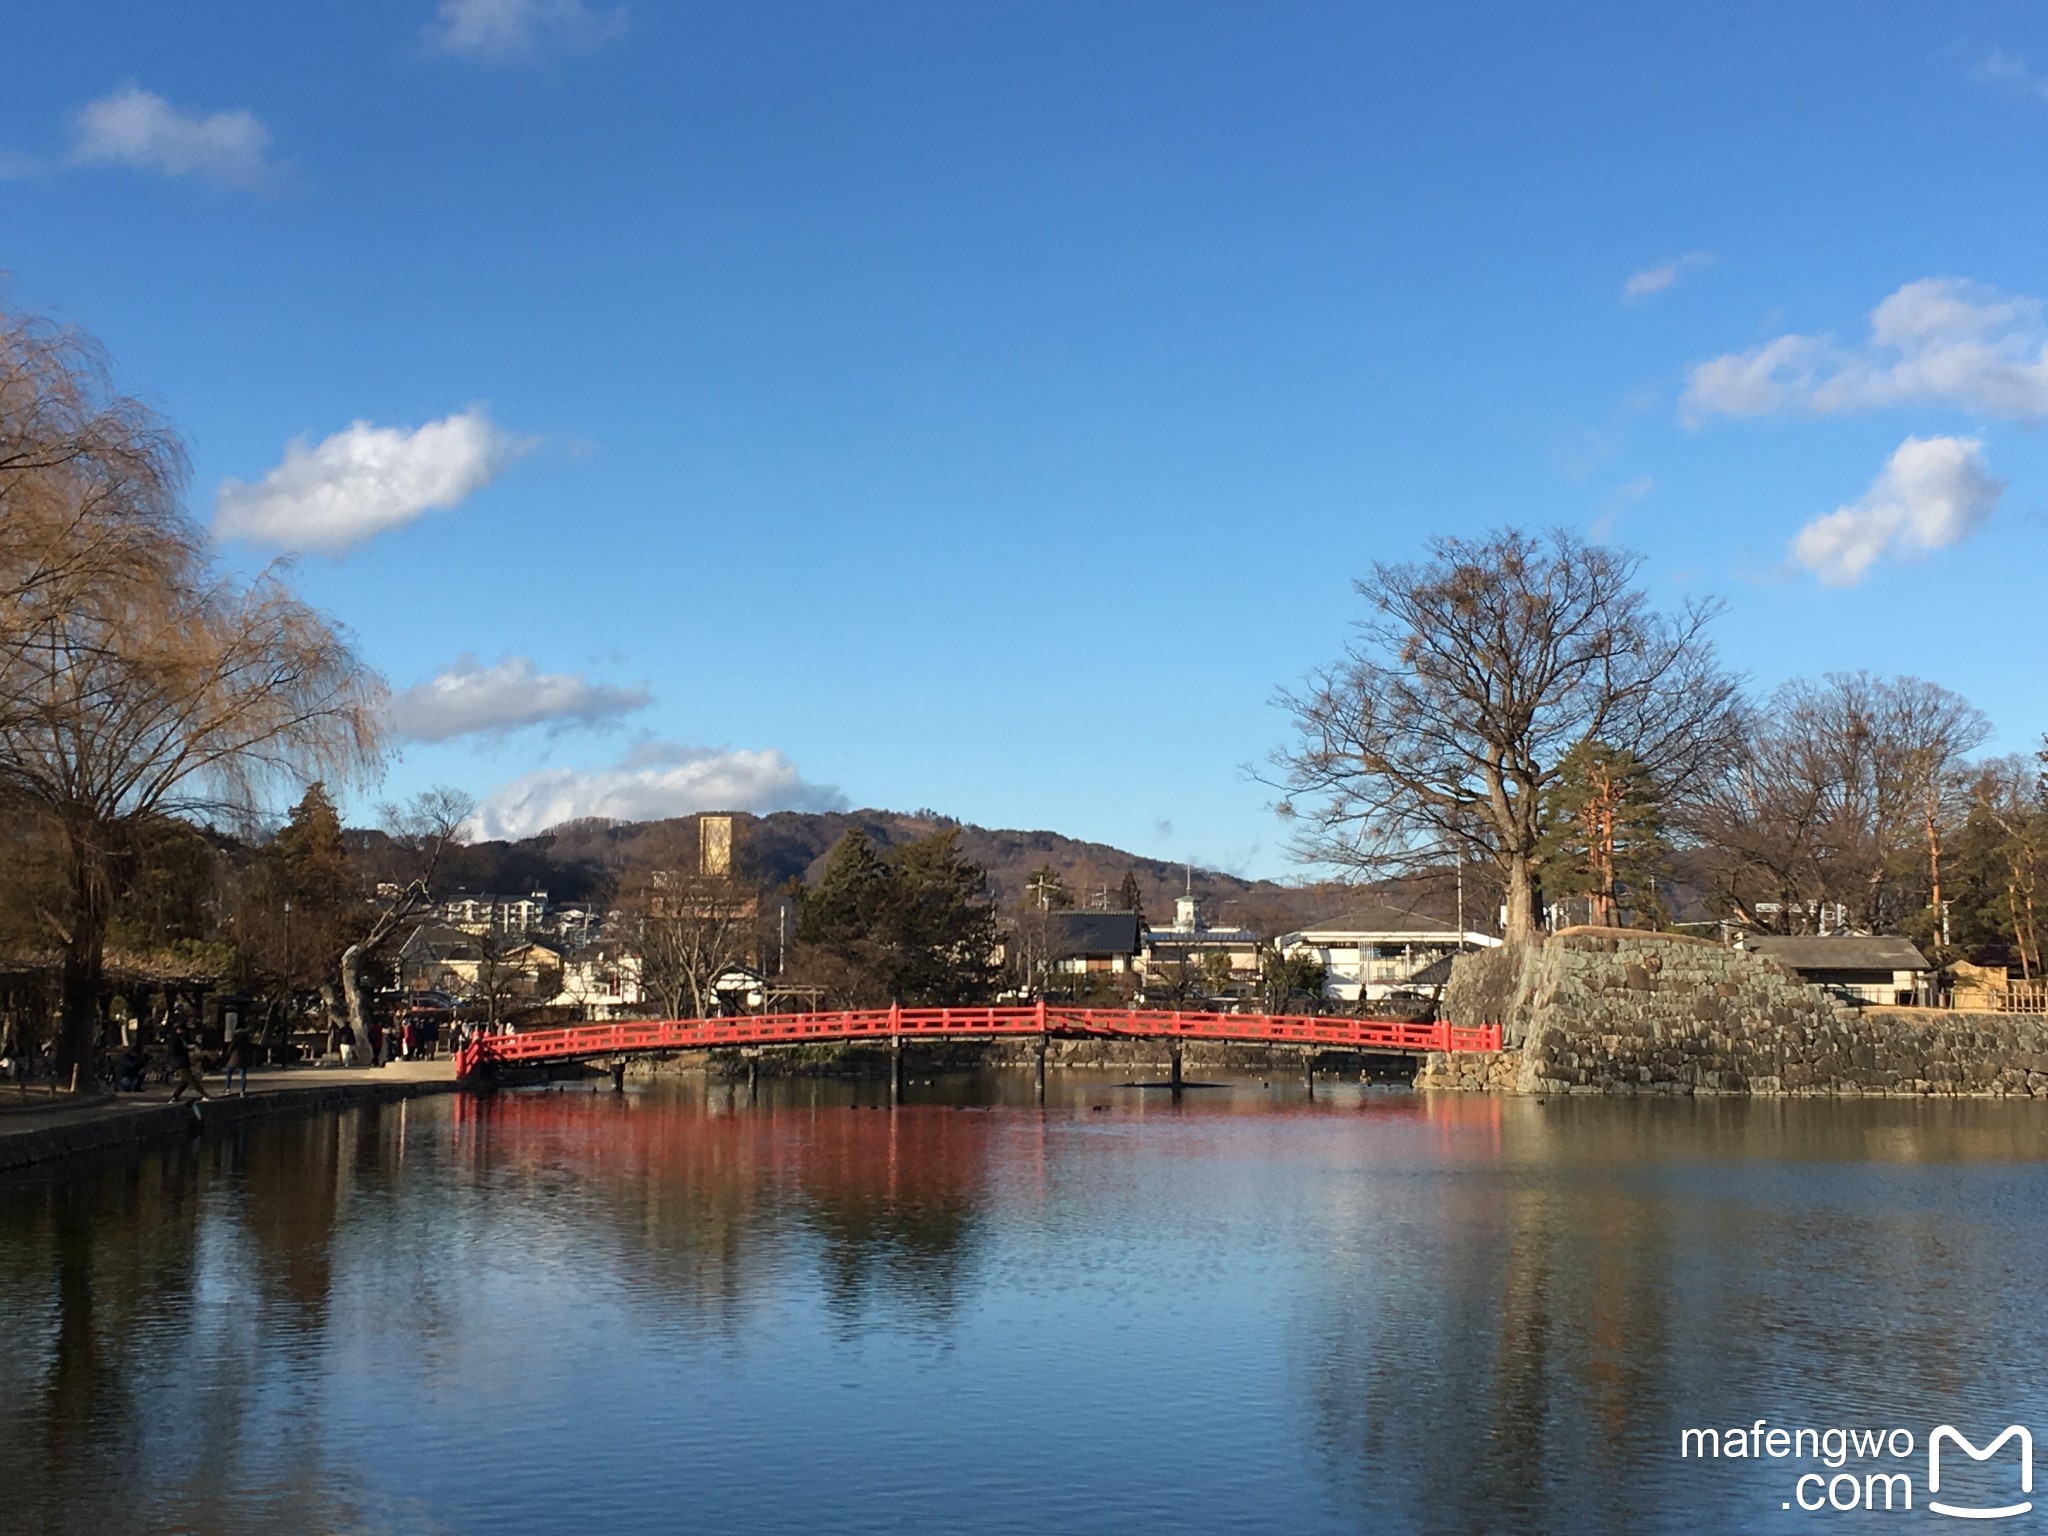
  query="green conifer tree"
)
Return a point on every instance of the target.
[{"x": 1603, "y": 835}]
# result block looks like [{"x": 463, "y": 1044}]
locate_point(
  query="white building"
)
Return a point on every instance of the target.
[
  {"x": 492, "y": 913},
  {"x": 1375, "y": 951},
  {"x": 604, "y": 986},
  {"x": 1191, "y": 943}
]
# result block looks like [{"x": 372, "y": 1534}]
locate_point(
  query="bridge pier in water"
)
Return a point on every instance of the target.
[
  {"x": 1174, "y": 1046},
  {"x": 895, "y": 1069},
  {"x": 1041, "y": 1068}
]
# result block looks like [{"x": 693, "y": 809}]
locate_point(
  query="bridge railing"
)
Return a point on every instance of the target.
[{"x": 626, "y": 1038}]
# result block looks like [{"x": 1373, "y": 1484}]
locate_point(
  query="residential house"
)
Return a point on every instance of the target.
[
  {"x": 525, "y": 972},
  {"x": 1884, "y": 969},
  {"x": 436, "y": 957},
  {"x": 1079, "y": 943},
  {"x": 604, "y": 985},
  {"x": 1375, "y": 951}
]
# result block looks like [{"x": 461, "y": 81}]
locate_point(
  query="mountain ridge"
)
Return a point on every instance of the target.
[{"x": 582, "y": 862}]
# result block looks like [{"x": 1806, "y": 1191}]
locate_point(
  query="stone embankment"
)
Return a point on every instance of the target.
[
  {"x": 33, "y": 1131},
  {"x": 1622, "y": 1012}
]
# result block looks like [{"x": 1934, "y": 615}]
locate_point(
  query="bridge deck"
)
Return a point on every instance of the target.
[{"x": 890, "y": 1024}]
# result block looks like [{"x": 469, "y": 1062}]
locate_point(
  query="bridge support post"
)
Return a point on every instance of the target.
[
  {"x": 753, "y": 1074},
  {"x": 618, "y": 1074},
  {"x": 1308, "y": 1069},
  {"x": 1041, "y": 1049},
  {"x": 1174, "y": 1048},
  {"x": 895, "y": 1069}
]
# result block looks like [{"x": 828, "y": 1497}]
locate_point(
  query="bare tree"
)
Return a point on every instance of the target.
[
  {"x": 690, "y": 926},
  {"x": 1840, "y": 797},
  {"x": 1472, "y": 676},
  {"x": 89, "y": 485},
  {"x": 143, "y": 704},
  {"x": 2012, "y": 796},
  {"x": 136, "y": 686},
  {"x": 422, "y": 831}
]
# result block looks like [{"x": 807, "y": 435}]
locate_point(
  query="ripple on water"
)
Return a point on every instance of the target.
[{"x": 655, "y": 1311}]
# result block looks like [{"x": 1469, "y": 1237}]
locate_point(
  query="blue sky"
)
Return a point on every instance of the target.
[{"x": 986, "y": 407}]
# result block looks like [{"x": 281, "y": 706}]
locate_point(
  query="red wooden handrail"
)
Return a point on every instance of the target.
[{"x": 894, "y": 1022}]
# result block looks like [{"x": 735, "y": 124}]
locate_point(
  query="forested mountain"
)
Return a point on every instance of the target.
[{"x": 584, "y": 861}]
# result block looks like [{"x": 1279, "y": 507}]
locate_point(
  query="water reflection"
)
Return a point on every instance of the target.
[
  {"x": 1623, "y": 1271},
  {"x": 1239, "y": 1311}
]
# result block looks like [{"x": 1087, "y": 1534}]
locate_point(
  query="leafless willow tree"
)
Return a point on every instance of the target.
[
  {"x": 136, "y": 685},
  {"x": 1472, "y": 675},
  {"x": 89, "y": 482}
]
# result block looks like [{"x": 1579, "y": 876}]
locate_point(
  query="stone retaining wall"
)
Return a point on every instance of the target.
[
  {"x": 1469, "y": 1071},
  {"x": 1607, "y": 1011}
]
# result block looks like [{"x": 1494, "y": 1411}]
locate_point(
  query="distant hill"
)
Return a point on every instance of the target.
[{"x": 583, "y": 861}]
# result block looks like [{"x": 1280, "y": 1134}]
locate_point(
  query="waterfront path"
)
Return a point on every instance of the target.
[{"x": 36, "y": 1126}]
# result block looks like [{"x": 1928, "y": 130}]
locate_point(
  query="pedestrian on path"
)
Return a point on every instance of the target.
[
  {"x": 178, "y": 1057},
  {"x": 240, "y": 1049}
]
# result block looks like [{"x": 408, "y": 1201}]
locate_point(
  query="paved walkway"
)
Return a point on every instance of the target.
[{"x": 36, "y": 1126}]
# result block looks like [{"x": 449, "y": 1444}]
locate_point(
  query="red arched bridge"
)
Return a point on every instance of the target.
[{"x": 897, "y": 1026}]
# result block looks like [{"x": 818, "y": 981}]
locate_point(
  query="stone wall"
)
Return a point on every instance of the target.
[
  {"x": 1469, "y": 1071},
  {"x": 1617, "y": 1011},
  {"x": 1482, "y": 989}
]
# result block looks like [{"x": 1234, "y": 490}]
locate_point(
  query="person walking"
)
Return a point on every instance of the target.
[
  {"x": 241, "y": 1049},
  {"x": 178, "y": 1057}
]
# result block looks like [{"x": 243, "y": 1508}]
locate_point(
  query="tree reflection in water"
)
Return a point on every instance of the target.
[
  {"x": 1582, "y": 1280},
  {"x": 1245, "y": 1310}
]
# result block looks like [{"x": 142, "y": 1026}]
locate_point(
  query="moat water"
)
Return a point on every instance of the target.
[{"x": 673, "y": 1310}]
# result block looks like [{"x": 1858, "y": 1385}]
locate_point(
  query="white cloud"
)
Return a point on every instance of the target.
[
  {"x": 655, "y": 779},
  {"x": 2004, "y": 69},
  {"x": 520, "y": 31},
  {"x": 1933, "y": 492},
  {"x": 467, "y": 698},
  {"x": 1939, "y": 341},
  {"x": 359, "y": 482},
  {"x": 1656, "y": 279},
  {"x": 14, "y": 165},
  {"x": 139, "y": 128}
]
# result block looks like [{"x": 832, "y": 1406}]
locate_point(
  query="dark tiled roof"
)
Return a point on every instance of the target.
[
  {"x": 1846, "y": 953},
  {"x": 438, "y": 941},
  {"x": 1382, "y": 918},
  {"x": 1434, "y": 974},
  {"x": 1092, "y": 933}
]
